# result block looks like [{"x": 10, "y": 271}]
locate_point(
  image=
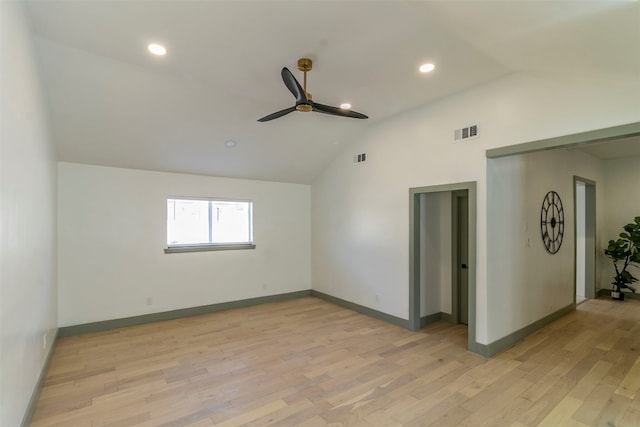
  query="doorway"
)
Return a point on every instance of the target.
[
  {"x": 462, "y": 198},
  {"x": 585, "y": 238}
]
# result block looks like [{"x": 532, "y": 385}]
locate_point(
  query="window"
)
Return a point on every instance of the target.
[{"x": 208, "y": 224}]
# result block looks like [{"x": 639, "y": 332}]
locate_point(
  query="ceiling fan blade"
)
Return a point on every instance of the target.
[
  {"x": 294, "y": 87},
  {"x": 277, "y": 114},
  {"x": 327, "y": 109}
]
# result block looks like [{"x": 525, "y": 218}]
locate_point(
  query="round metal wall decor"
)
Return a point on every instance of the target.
[{"x": 552, "y": 222}]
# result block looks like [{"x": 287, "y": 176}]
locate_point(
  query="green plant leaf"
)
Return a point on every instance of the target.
[
  {"x": 625, "y": 250},
  {"x": 626, "y": 277}
]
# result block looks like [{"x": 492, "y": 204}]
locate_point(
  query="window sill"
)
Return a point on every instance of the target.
[{"x": 204, "y": 248}]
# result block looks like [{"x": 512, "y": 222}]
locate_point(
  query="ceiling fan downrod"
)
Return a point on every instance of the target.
[{"x": 304, "y": 65}]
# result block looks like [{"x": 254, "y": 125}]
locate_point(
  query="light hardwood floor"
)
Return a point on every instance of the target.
[{"x": 307, "y": 362}]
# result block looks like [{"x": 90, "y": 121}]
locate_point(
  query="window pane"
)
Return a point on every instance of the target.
[
  {"x": 230, "y": 222},
  {"x": 206, "y": 222},
  {"x": 187, "y": 221}
]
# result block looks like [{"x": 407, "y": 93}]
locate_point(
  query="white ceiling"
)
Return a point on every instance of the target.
[{"x": 114, "y": 104}]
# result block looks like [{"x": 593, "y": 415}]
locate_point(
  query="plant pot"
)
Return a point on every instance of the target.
[{"x": 619, "y": 295}]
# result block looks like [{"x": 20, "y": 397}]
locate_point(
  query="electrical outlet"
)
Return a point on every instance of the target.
[
  {"x": 264, "y": 286},
  {"x": 44, "y": 341},
  {"x": 149, "y": 301}
]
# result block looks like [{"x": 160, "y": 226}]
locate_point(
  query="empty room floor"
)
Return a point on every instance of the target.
[{"x": 307, "y": 362}]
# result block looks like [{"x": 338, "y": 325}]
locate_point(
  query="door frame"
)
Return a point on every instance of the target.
[
  {"x": 414, "y": 256},
  {"x": 590, "y": 226}
]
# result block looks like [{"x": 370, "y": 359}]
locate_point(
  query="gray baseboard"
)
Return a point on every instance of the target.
[
  {"x": 435, "y": 317},
  {"x": 446, "y": 317},
  {"x": 511, "y": 339},
  {"x": 105, "y": 325},
  {"x": 403, "y": 323},
  {"x": 35, "y": 395}
]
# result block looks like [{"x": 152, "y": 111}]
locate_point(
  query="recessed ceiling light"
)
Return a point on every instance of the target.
[
  {"x": 157, "y": 49},
  {"x": 427, "y": 68},
  {"x": 229, "y": 143},
  {"x": 345, "y": 106}
]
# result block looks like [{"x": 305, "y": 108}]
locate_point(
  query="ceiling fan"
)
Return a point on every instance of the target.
[{"x": 303, "y": 98}]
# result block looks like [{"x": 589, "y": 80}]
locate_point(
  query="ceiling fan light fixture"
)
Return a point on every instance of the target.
[
  {"x": 427, "y": 68},
  {"x": 157, "y": 49},
  {"x": 303, "y": 98},
  {"x": 345, "y": 106}
]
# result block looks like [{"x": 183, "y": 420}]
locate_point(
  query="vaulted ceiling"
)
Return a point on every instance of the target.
[{"x": 114, "y": 104}]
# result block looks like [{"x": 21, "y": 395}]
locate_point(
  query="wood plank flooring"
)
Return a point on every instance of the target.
[{"x": 308, "y": 362}]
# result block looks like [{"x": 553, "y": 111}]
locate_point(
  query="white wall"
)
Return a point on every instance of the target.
[
  {"x": 112, "y": 225},
  {"x": 27, "y": 219},
  {"x": 528, "y": 283},
  {"x": 435, "y": 240},
  {"x": 621, "y": 205},
  {"x": 360, "y": 218}
]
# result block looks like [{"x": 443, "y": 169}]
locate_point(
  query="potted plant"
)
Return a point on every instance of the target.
[{"x": 625, "y": 253}]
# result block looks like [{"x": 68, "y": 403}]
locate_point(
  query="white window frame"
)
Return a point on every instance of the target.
[{"x": 200, "y": 247}]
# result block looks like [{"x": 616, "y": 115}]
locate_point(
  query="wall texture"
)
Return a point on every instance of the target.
[
  {"x": 621, "y": 205},
  {"x": 112, "y": 226},
  {"x": 435, "y": 240},
  {"x": 27, "y": 219},
  {"x": 528, "y": 283},
  {"x": 360, "y": 218}
]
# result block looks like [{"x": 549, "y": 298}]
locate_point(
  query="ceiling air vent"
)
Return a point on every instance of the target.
[
  {"x": 465, "y": 133},
  {"x": 359, "y": 158}
]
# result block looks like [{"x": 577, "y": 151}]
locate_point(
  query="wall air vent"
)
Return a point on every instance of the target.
[
  {"x": 360, "y": 158},
  {"x": 465, "y": 133}
]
